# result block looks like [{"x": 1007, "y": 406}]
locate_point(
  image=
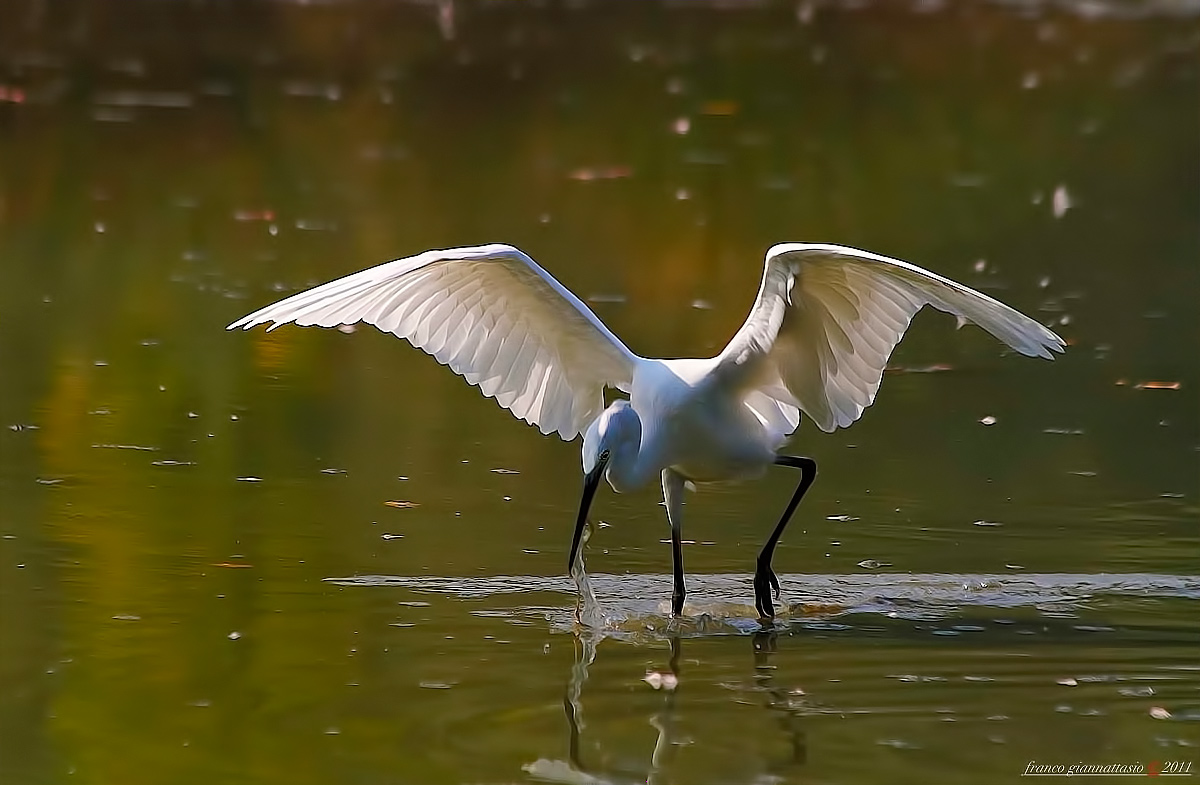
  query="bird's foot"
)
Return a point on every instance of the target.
[{"x": 764, "y": 582}]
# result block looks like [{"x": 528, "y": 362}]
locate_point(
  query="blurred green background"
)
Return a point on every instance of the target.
[{"x": 173, "y": 497}]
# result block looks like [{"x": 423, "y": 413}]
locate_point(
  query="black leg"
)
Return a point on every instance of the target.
[
  {"x": 673, "y": 498},
  {"x": 677, "y": 593},
  {"x": 764, "y": 576}
]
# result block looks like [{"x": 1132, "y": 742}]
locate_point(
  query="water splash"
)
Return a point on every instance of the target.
[
  {"x": 637, "y": 606},
  {"x": 588, "y": 612}
]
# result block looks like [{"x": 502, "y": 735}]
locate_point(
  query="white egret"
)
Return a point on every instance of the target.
[{"x": 816, "y": 341}]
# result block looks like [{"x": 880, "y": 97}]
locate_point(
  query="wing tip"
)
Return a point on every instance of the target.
[
  {"x": 1046, "y": 350},
  {"x": 1051, "y": 343},
  {"x": 250, "y": 322}
]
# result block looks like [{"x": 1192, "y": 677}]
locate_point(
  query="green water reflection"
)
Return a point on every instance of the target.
[{"x": 173, "y": 498}]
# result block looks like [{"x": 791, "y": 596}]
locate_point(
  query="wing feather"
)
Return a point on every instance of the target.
[
  {"x": 826, "y": 320},
  {"x": 491, "y": 314}
]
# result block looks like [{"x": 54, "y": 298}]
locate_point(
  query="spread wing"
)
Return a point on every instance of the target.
[
  {"x": 827, "y": 318},
  {"x": 490, "y": 313}
]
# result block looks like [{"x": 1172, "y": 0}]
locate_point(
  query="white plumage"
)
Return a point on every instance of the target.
[
  {"x": 490, "y": 313},
  {"x": 818, "y": 336},
  {"x": 827, "y": 318}
]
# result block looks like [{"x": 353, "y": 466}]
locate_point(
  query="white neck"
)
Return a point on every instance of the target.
[
  {"x": 618, "y": 430},
  {"x": 628, "y": 468}
]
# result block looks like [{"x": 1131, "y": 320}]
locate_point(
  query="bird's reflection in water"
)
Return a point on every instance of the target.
[
  {"x": 778, "y": 701},
  {"x": 579, "y": 769}
]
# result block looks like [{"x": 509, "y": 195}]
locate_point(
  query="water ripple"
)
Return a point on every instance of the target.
[{"x": 720, "y": 604}]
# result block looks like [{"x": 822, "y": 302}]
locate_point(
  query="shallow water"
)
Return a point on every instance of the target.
[{"x": 315, "y": 556}]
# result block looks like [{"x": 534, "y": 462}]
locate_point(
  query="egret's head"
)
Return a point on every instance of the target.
[
  {"x": 616, "y": 436},
  {"x": 615, "y": 433}
]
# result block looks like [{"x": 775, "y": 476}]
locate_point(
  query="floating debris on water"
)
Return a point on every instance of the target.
[
  {"x": 254, "y": 215},
  {"x": 11, "y": 95},
  {"x": 154, "y": 99},
  {"x": 1061, "y": 201},
  {"x": 402, "y": 505},
  {"x": 661, "y": 681},
  {"x": 601, "y": 173},
  {"x": 719, "y": 108},
  {"x": 899, "y": 744},
  {"x": 602, "y": 297}
]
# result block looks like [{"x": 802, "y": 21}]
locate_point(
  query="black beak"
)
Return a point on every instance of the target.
[{"x": 590, "y": 483}]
